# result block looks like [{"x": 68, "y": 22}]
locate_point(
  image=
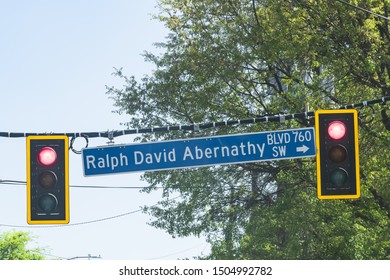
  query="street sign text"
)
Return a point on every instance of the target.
[{"x": 196, "y": 152}]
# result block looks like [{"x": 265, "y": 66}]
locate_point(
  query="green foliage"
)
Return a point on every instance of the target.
[
  {"x": 242, "y": 59},
  {"x": 14, "y": 246}
]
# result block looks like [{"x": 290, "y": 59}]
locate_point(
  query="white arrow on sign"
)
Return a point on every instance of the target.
[{"x": 302, "y": 149}]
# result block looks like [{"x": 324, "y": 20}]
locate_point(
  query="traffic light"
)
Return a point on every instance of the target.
[
  {"x": 338, "y": 174},
  {"x": 47, "y": 179}
]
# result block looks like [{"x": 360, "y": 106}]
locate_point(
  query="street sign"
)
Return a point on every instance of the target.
[{"x": 196, "y": 152}]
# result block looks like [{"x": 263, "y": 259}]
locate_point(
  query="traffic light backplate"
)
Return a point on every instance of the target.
[
  {"x": 338, "y": 170},
  {"x": 47, "y": 179}
]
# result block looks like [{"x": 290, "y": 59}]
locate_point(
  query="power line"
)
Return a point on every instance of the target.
[
  {"x": 23, "y": 183},
  {"x": 89, "y": 257},
  {"x": 109, "y": 187},
  {"x": 176, "y": 253},
  {"x": 363, "y": 9},
  {"x": 12, "y": 182},
  {"x": 193, "y": 127},
  {"x": 87, "y": 222},
  {"x": 76, "y": 224}
]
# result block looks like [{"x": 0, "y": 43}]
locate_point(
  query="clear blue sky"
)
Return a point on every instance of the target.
[{"x": 56, "y": 57}]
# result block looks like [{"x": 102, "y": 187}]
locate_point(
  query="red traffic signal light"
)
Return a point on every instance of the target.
[
  {"x": 47, "y": 179},
  {"x": 336, "y": 130},
  {"x": 338, "y": 170},
  {"x": 47, "y": 156}
]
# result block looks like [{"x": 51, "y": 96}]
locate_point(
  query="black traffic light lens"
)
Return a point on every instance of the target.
[
  {"x": 47, "y": 202},
  {"x": 339, "y": 177},
  {"x": 47, "y": 179},
  {"x": 337, "y": 153}
]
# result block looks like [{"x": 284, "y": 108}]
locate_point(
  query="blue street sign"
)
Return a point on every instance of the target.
[{"x": 196, "y": 152}]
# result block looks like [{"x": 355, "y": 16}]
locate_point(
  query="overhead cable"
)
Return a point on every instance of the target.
[
  {"x": 363, "y": 9},
  {"x": 87, "y": 222},
  {"x": 192, "y": 127}
]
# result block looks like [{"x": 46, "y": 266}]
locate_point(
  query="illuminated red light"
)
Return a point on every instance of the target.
[
  {"x": 47, "y": 156},
  {"x": 336, "y": 130}
]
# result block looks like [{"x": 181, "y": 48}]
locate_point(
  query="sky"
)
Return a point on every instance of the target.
[{"x": 56, "y": 59}]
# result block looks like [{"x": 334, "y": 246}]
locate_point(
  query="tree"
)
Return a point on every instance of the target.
[
  {"x": 242, "y": 59},
  {"x": 14, "y": 246}
]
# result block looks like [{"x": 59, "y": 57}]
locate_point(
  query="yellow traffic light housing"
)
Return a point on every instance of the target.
[
  {"x": 47, "y": 179},
  {"x": 338, "y": 170}
]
